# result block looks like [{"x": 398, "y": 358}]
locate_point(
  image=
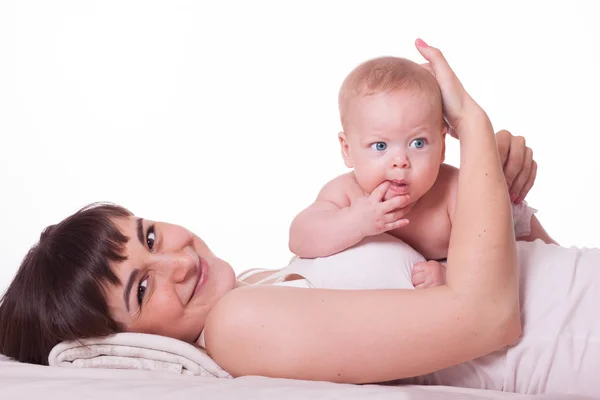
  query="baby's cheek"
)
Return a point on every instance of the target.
[
  {"x": 365, "y": 183},
  {"x": 368, "y": 179}
]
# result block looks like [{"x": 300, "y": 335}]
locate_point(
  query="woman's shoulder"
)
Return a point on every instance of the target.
[{"x": 242, "y": 310}]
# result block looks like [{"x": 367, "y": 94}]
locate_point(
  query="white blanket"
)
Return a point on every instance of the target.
[
  {"x": 27, "y": 381},
  {"x": 136, "y": 351}
]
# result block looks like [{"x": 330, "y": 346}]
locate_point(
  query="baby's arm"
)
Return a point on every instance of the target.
[
  {"x": 332, "y": 224},
  {"x": 323, "y": 228},
  {"x": 426, "y": 274}
]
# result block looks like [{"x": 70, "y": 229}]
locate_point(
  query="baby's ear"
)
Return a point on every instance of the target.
[
  {"x": 445, "y": 129},
  {"x": 345, "y": 149}
]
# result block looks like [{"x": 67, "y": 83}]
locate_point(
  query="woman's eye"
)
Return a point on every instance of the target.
[
  {"x": 379, "y": 146},
  {"x": 150, "y": 237},
  {"x": 141, "y": 291},
  {"x": 418, "y": 143}
]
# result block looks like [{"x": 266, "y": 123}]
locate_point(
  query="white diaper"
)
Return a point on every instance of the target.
[{"x": 522, "y": 214}]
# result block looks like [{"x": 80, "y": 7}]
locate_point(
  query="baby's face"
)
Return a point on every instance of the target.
[{"x": 396, "y": 137}]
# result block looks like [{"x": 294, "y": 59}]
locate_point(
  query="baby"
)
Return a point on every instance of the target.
[{"x": 394, "y": 140}]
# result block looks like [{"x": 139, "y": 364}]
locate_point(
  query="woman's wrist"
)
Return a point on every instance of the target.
[{"x": 474, "y": 121}]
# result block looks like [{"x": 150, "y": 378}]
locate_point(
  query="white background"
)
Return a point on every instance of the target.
[{"x": 222, "y": 116}]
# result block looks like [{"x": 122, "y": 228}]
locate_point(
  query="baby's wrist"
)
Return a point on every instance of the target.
[{"x": 355, "y": 223}]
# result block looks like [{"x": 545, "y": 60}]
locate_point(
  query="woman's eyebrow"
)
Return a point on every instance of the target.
[
  {"x": 135, "y": 272},
  {"x": 127, "y": 292},
  {"x": 140, "y": 231}
]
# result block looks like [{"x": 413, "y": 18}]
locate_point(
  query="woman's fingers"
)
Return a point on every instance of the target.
[
  {"x": 515, "y": 160},
  {"x": 528, "y": 184},
  {"x": 437, "y": 62},
  {"x": 522, "y": 177},
  {"x": 453, "y": 93},
  {"x": 503, "y": 139}
]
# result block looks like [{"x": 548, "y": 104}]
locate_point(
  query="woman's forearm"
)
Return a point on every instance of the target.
[{"x": 482, "y": 259}]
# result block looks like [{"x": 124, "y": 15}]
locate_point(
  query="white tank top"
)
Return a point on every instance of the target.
[{"x": 381, "y": 262}]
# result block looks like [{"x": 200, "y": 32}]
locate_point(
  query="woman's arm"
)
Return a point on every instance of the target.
[{"x": 379, "y": 335}]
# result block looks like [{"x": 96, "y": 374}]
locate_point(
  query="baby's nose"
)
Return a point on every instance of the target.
[{"x": 400, "y": 161}]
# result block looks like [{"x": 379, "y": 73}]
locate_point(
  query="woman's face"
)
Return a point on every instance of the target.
[{"x": 169, "y": 282}]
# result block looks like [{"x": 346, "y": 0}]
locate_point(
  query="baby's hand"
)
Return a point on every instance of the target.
[
  {"x": 375, "y": 216},
  {"x": 428, "y": 274}
]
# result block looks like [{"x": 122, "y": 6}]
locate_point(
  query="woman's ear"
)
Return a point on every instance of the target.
[{"x": 345, "y": 149}]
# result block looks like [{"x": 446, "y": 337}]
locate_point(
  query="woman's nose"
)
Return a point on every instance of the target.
[{"x": 177, "y": 266}]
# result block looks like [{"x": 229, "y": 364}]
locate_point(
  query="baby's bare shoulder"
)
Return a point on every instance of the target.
[
  {"x": 443, "y": 190},
  {"x": 340, "y": 190},
  {"x": 448, "y": 173},
  {"x": 447, "y": 179},
  {"x": 448, "y": 185}
]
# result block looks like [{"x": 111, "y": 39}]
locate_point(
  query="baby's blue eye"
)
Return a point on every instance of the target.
[
  {"x": 418, "y": 143},
  {"x": 379, "y": 146}
]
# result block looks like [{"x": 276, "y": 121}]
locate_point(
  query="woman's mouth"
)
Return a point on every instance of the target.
[{"x": 201, "y": 278}]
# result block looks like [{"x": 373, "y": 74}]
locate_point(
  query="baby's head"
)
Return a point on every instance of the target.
[{"x": 393, "y": 126}]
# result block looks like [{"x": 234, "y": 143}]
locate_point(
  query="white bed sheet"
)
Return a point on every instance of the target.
[{"x": 27, "y": 381}]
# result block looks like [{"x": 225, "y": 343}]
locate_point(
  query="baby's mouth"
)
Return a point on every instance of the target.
[
  {"x": 399, "y": 183},
  {"x": 399, "y": 187}
]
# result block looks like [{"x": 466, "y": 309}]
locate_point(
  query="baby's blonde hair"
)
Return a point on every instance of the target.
[{"x": 387, "y": 74}]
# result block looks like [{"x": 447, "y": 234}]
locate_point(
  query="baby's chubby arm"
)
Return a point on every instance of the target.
[{"x": 334, "y": 223}]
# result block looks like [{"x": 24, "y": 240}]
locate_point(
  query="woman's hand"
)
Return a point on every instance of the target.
[
  {"x": 517, "y": 159},
  {"x": 456, "y": 101},
  {"x": 520, "y": 169}
]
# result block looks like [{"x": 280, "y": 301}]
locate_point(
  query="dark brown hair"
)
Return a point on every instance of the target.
[{"x": 58, "y": 291}]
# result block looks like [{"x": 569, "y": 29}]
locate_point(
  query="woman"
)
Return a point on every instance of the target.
[{"x": 160, "y": 278}]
